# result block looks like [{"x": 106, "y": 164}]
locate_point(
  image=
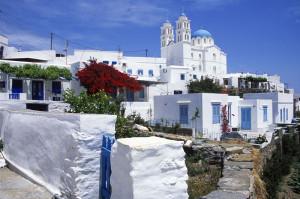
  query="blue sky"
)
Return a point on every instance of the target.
[{"x": 257, "y": 35}]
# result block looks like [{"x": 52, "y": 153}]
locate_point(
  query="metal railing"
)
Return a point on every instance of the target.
[{"x": 14, "y": 96}]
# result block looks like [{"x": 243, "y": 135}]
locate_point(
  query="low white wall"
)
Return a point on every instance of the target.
[
  {"x": 145, "y": 109},
  {"x": 147, "y": 168},
  {"x": 5, "y": 96},
  {"x": 58, "y": 151}
]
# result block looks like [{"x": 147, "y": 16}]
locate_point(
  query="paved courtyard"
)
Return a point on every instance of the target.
[{"x": 13, "y": 186}]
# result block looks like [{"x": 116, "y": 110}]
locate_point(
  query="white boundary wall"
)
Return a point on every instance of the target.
[
  {"x": 147, "y": 168},
  {"x": 59, "y": 151}
]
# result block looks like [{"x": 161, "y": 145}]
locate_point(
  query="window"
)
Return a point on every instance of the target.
[
  {"x": 2, "y": 84},
  {"x": 56, "y": 87},
  {"x": 199, "y": 56},
  {"x": 204, "y": 40},
  {"x": 280, "y": 115},
  {"x": 215, "y": 69},
  {"x": 214, "y": 56},
  {"x": 150, "y": 73},
  {"x": 105, "y": 62},
  {"x": 192, "y": 55},
  {"x": 229, "y": 113},
  {"x": 1, "y": 52},
  {"x": 182, "y": 77},
  {"x": 265, "y": 113},
  {"x": 287, "y": 114},
  {"x": 177, "y": 92},
  {"x": 216, "y": 113},
  {"x": 194, "y": 76},
  {"x": 142, "y": 93},
  {"x": 113, "y": 63},
  {"x": 129, "y": 71},
  {"x": 140, "y": 72},
  {"x": 183, "y": 113}
]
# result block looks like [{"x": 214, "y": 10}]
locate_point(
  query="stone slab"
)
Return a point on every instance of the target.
[
  {"x": 238, "y": 165},
  {"x": 219, "y": 194},
  {"x": 235, "y": 180},
  {"x": 13, "y": 186}
]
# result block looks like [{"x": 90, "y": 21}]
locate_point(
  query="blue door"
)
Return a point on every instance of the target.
[
  {"x": 130, "y": 96},
  {"x": 17, "y": 86},
  {"x": 183, "y": 114},
  {"x": 37, "y": 90},
  {"x": 246, "y": 118},
  {"x": 105, "y": 187}
]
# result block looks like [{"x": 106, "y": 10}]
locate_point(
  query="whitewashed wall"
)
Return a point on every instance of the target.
[
  {"x": 147, "y": 168},
  {"x": 257, "y": 122},
  {"x": 145, "y": 109},
  {"x": 58, "y": 151}
]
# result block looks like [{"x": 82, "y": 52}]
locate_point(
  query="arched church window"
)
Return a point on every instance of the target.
[
  {"x": 205, "y": 40},
  {"x": 198, "y": 41},
  {"x": 200, "y": 67},
  {"x": 199, "y": 55},
  {"x": 215, "y": 69},
  {"x": 214, "y": 56},
  {"x": 192, "y": 55}
]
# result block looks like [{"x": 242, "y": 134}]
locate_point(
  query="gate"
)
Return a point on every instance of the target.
[{"x": 105, "y": 189}]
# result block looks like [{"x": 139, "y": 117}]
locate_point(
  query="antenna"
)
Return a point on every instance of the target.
[
  {"x": 66, "y": 50},
  {"x": 51, "y": 40}
]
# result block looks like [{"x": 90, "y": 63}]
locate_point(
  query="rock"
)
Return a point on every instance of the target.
[
  {"x": 234, "y": 149},
  {"x": 140, "y": 128},
  {"x": 231, "y": 136},
  {"x": 246, "y": 151},
  {"x": 188, "y": 143}
]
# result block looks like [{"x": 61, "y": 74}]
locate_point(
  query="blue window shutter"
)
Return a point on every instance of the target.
[
  {"x": 216, "y": 113},
  {"x": 265, "y": 113}
]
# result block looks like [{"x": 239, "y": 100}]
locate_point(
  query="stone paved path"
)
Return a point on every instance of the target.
[{"x": 13, "y": 186}]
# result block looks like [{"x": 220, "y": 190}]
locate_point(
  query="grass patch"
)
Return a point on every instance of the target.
[{"x": 203, "y": 178}]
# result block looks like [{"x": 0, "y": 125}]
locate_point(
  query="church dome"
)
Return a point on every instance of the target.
[{"x": 201, "y": 33}]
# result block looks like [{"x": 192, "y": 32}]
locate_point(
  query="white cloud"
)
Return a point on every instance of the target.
[
  {"x": 210, "y": 4},
  {"x": 120, "y": 12}
]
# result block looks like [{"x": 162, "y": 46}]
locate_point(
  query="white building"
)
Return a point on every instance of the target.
[
  {"x": 249, "y": 116},
  {"x": 283, "y": 105},
  {"x": 239, "y": 80},
  {"x": 16, "y": 88}
]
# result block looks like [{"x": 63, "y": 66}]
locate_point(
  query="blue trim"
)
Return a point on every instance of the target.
[
  {"x": 246, "y": 118},
  {"x": 184, "y": 113},
  {"x": 265, "y": 113},
  {"x": 216, "y": 114},
  {"x": 105, "y": 187}
]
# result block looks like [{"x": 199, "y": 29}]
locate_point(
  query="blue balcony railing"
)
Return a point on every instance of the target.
[{"x": 14, "y": 96}]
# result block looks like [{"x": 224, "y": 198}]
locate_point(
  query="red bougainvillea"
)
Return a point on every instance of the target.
[
  {"x": 225, "y": 122},
  {"x": 99, "y": 76}
]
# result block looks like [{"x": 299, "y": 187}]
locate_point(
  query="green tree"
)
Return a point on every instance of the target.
[{"x": 204, "y": 86}]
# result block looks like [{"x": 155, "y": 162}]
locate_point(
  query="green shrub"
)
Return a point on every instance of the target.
[{"x": 36, "y": 71}]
